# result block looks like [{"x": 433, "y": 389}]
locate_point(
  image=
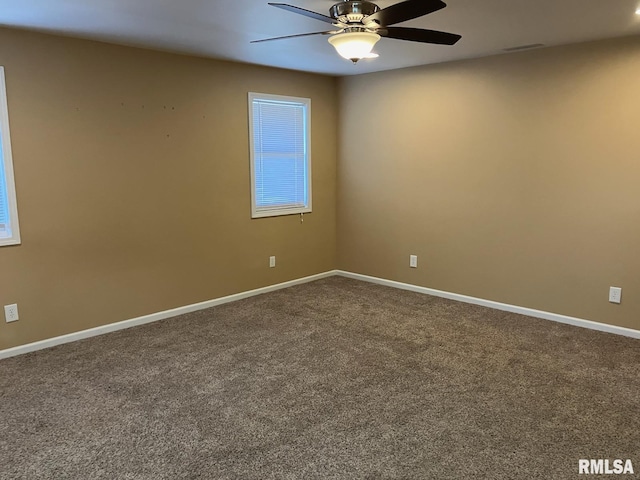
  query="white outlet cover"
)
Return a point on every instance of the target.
[
  {"x": 413, "y": 261},
  {"x": 272, "y": 261},
  {"x": 11, "y": 313},
  {"x": 615, "y": 294}
]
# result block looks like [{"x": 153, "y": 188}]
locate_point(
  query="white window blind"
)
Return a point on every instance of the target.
[
  {"x": 9, "y": 231},
  {"x": 280, "y": 160},
  {"x": 4, "y": 203}
]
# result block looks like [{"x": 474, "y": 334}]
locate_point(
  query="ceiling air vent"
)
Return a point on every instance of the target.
[{"x": 524, "y": 47}]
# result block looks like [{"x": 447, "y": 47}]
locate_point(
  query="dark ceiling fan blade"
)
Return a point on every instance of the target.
[
  {"x": 419, "y": 35},
  {"x": 293, "y": 36},
  {"x": 302, "y": 11},
  {"x": 407, "y": 10}
]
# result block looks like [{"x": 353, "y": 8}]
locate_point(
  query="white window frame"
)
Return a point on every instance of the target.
[
  {"x": 14, "y": 237},
  {"x": 273, "y": 211}
]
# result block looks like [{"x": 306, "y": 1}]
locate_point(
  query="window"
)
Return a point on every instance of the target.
[
  {"x": 9, "y": 232},
  {"x": 279, "y": 135}
]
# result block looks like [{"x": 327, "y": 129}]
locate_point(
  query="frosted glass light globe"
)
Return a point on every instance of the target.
[{"x": 354, "y": 45}]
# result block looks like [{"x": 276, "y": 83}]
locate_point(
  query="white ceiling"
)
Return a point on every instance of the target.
[{"x": 224, "y": 28}]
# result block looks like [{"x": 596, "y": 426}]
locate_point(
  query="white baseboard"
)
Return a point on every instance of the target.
[
  {"x": 554, "y": 317},
  {"x": 154, "y": 317}
]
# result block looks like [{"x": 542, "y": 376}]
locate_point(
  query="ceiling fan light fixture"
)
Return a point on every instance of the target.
[{"x": 354, "y": 45}]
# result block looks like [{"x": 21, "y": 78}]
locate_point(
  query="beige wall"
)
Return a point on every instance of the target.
[
  {"x": 132, "y": 177},
  {"x": 514, "y": 178}
]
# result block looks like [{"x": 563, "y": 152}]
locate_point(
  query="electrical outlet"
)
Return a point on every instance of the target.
[
  {"x": 413, "y": 261},
  {"x": 272, "y": 261},
  {"x": 11, "y": 313},
  {"x": 615, "y": 294}
]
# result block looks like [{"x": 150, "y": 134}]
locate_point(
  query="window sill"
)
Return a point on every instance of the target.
[{"x": 278, "y": 212}]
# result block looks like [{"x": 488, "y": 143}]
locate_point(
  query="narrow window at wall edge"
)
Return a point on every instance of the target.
[
  {"x": 280, "y": 154},
  {"x": 9, "y": 229}
]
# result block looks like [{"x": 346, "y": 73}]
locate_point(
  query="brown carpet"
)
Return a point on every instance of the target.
[{"x": 333, "y": 379}]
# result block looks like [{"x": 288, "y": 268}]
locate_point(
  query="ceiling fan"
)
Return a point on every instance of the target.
[{"x": 360, "y": 24}]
